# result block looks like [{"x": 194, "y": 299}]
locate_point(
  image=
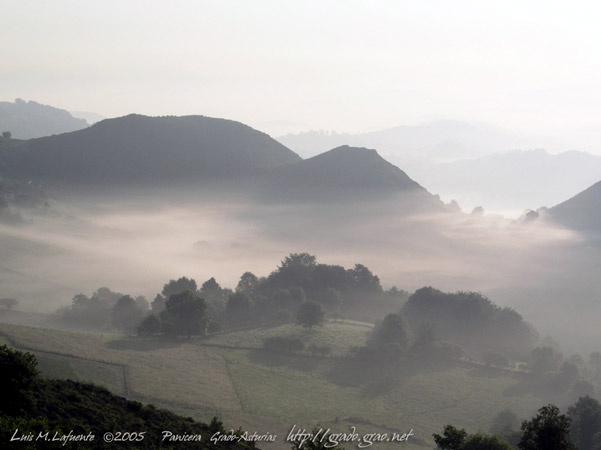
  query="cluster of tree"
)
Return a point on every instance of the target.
[
  {"x": 393, "y": 338},
  {"x": 552, "y": 373},
  {"x": 8, "y": 303},
  {"x": 472, "y": 321},
  {"x": 184, "y": 314},
  {"x": 299, "y": 280},
  {"x": 32, "y": 404},
  {"x": 299, "y": 290},
  {"x": 458, "y": 439},
  {"x": 579, "y": 429},
  {"x": 104, "y": 310}
]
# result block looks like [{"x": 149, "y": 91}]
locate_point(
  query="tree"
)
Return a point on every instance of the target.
[
  {"x": 455, "y": 439},
  {"x": 295, "y": 260},
  {"x": 158, "y": 304},
  {"x": 295, "y": 270},
  {"x": 330, "y": 298},
  {"x": 180, "y": 285},
  {"x": 185, "y": 314},
  {"x": 480, "y": 441},
  {"x": 364, "y": 280},
  {"x": 392, "y": 330},
  {"x": 545, "y": 359},
  {"x": 149, "y": 326},
  {"x": 297, "y": 295},
  {"x": 18, "y": 371},
  {"x": 310, "y": 314},
  {"x": 126, "y": 314},
  {"x": 142, "y": 303},
  {"x": 594, "y": 363},
  {"x": 248, "y": 283},
  {"x": 451, "y": 439},
  {"x": 8, "y": 303},
  {"x": 239, "y": 307},
  {"x": 504, "y": 423},
  {"x": 424, "y": 339},
  {"x": 548, "y": 430},
  {"x": 7, "y": 134},
  {"x": 586, "y": 422}
]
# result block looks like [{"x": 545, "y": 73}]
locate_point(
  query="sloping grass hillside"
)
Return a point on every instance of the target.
[{"x": 229, "y": 375}]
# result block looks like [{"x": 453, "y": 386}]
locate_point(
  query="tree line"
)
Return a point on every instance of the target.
[{"x": 549, "y": 429}]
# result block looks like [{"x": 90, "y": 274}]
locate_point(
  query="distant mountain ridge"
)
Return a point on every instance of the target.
[
  {"x": 437, "y": 140},
  {"x": 217, "y": 156},
  {"x": 581, "y": 212},
  {"x": 138, "y": 149},
  {"x": 27, "y": 120},
  {"x": 344, "y": 168},
  {"x": 510, "y": 181}
]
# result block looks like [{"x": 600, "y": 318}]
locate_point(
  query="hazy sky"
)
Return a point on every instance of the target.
[{"x": 284, "y": 66}]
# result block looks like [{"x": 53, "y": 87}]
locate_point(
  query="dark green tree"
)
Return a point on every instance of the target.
[
  {"x": 126, "y": 314},
  {"x": 481, "y": 441},
  {"x": 364, "y": 280},
  {"x": 586, "y": 422},
  {"x": 180, "y": 285},
  {"x": 149, "y": 326},
  {"x": 18, "y": 371},
  {"x": 392, "y": 330},
  {"x": 295, "y": 270},
  {"x": 297, "y": 295},
  {"x": 451, "y": 439},
  {"x": 239, "y": 307},
  {"x": 504, "y": 424},
  {"x": 248, "y": 283},
  {"x": 548, "y": 430},
  {"x": 330, "y": 298},
  {"x": 310, "y": 314},
  {"x": 458, "y": 439},
  {"x": 158, "y": 304},
  {"x": 185, "y": 314},
  {"x": 544, "y": 359}
]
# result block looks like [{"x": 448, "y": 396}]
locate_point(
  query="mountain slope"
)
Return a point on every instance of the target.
[
  {"x": 344, "y": 173},
  {"x": 437, "y": 140},
  {"x": 510, "y": 181},
  {"x": 146, "y": 150},
  {"x": 583, "y": 211},
  {"x": 345, "y": 168},
  {"x": 26, "y": 120}
]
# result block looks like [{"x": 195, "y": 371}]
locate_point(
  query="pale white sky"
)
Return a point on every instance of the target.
[{"x": 283, "y": 66}]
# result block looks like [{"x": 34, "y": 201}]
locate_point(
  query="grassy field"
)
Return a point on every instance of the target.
[{"x": 229, "y": 376}]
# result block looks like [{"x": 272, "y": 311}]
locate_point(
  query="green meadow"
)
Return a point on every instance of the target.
[{"x": 228, "y": 375}]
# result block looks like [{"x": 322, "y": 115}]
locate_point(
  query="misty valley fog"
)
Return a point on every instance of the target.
[{"x": 136, "y": 244}]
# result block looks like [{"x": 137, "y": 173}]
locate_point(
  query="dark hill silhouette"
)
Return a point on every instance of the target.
[
  {"x": 344, "y": 173},
  {"x": 27, "y": 120},
  {"x": 145, "y": 150},
  {"x": 197, "y": 151},
  {"x": 582, "y": 212},
  {"x": 347, "y": 168}
]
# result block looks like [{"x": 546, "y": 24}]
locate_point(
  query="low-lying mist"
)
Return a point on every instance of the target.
[{"x": 136, "y": 245}]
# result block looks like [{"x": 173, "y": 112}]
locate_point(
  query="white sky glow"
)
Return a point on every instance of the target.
[{"x": 284, "y": 66}]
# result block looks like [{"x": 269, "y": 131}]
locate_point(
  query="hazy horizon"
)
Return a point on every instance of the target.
[{"x": 284, "y": 68}]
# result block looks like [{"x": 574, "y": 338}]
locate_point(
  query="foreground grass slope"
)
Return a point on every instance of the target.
[{"x": 229, "y": 375}]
